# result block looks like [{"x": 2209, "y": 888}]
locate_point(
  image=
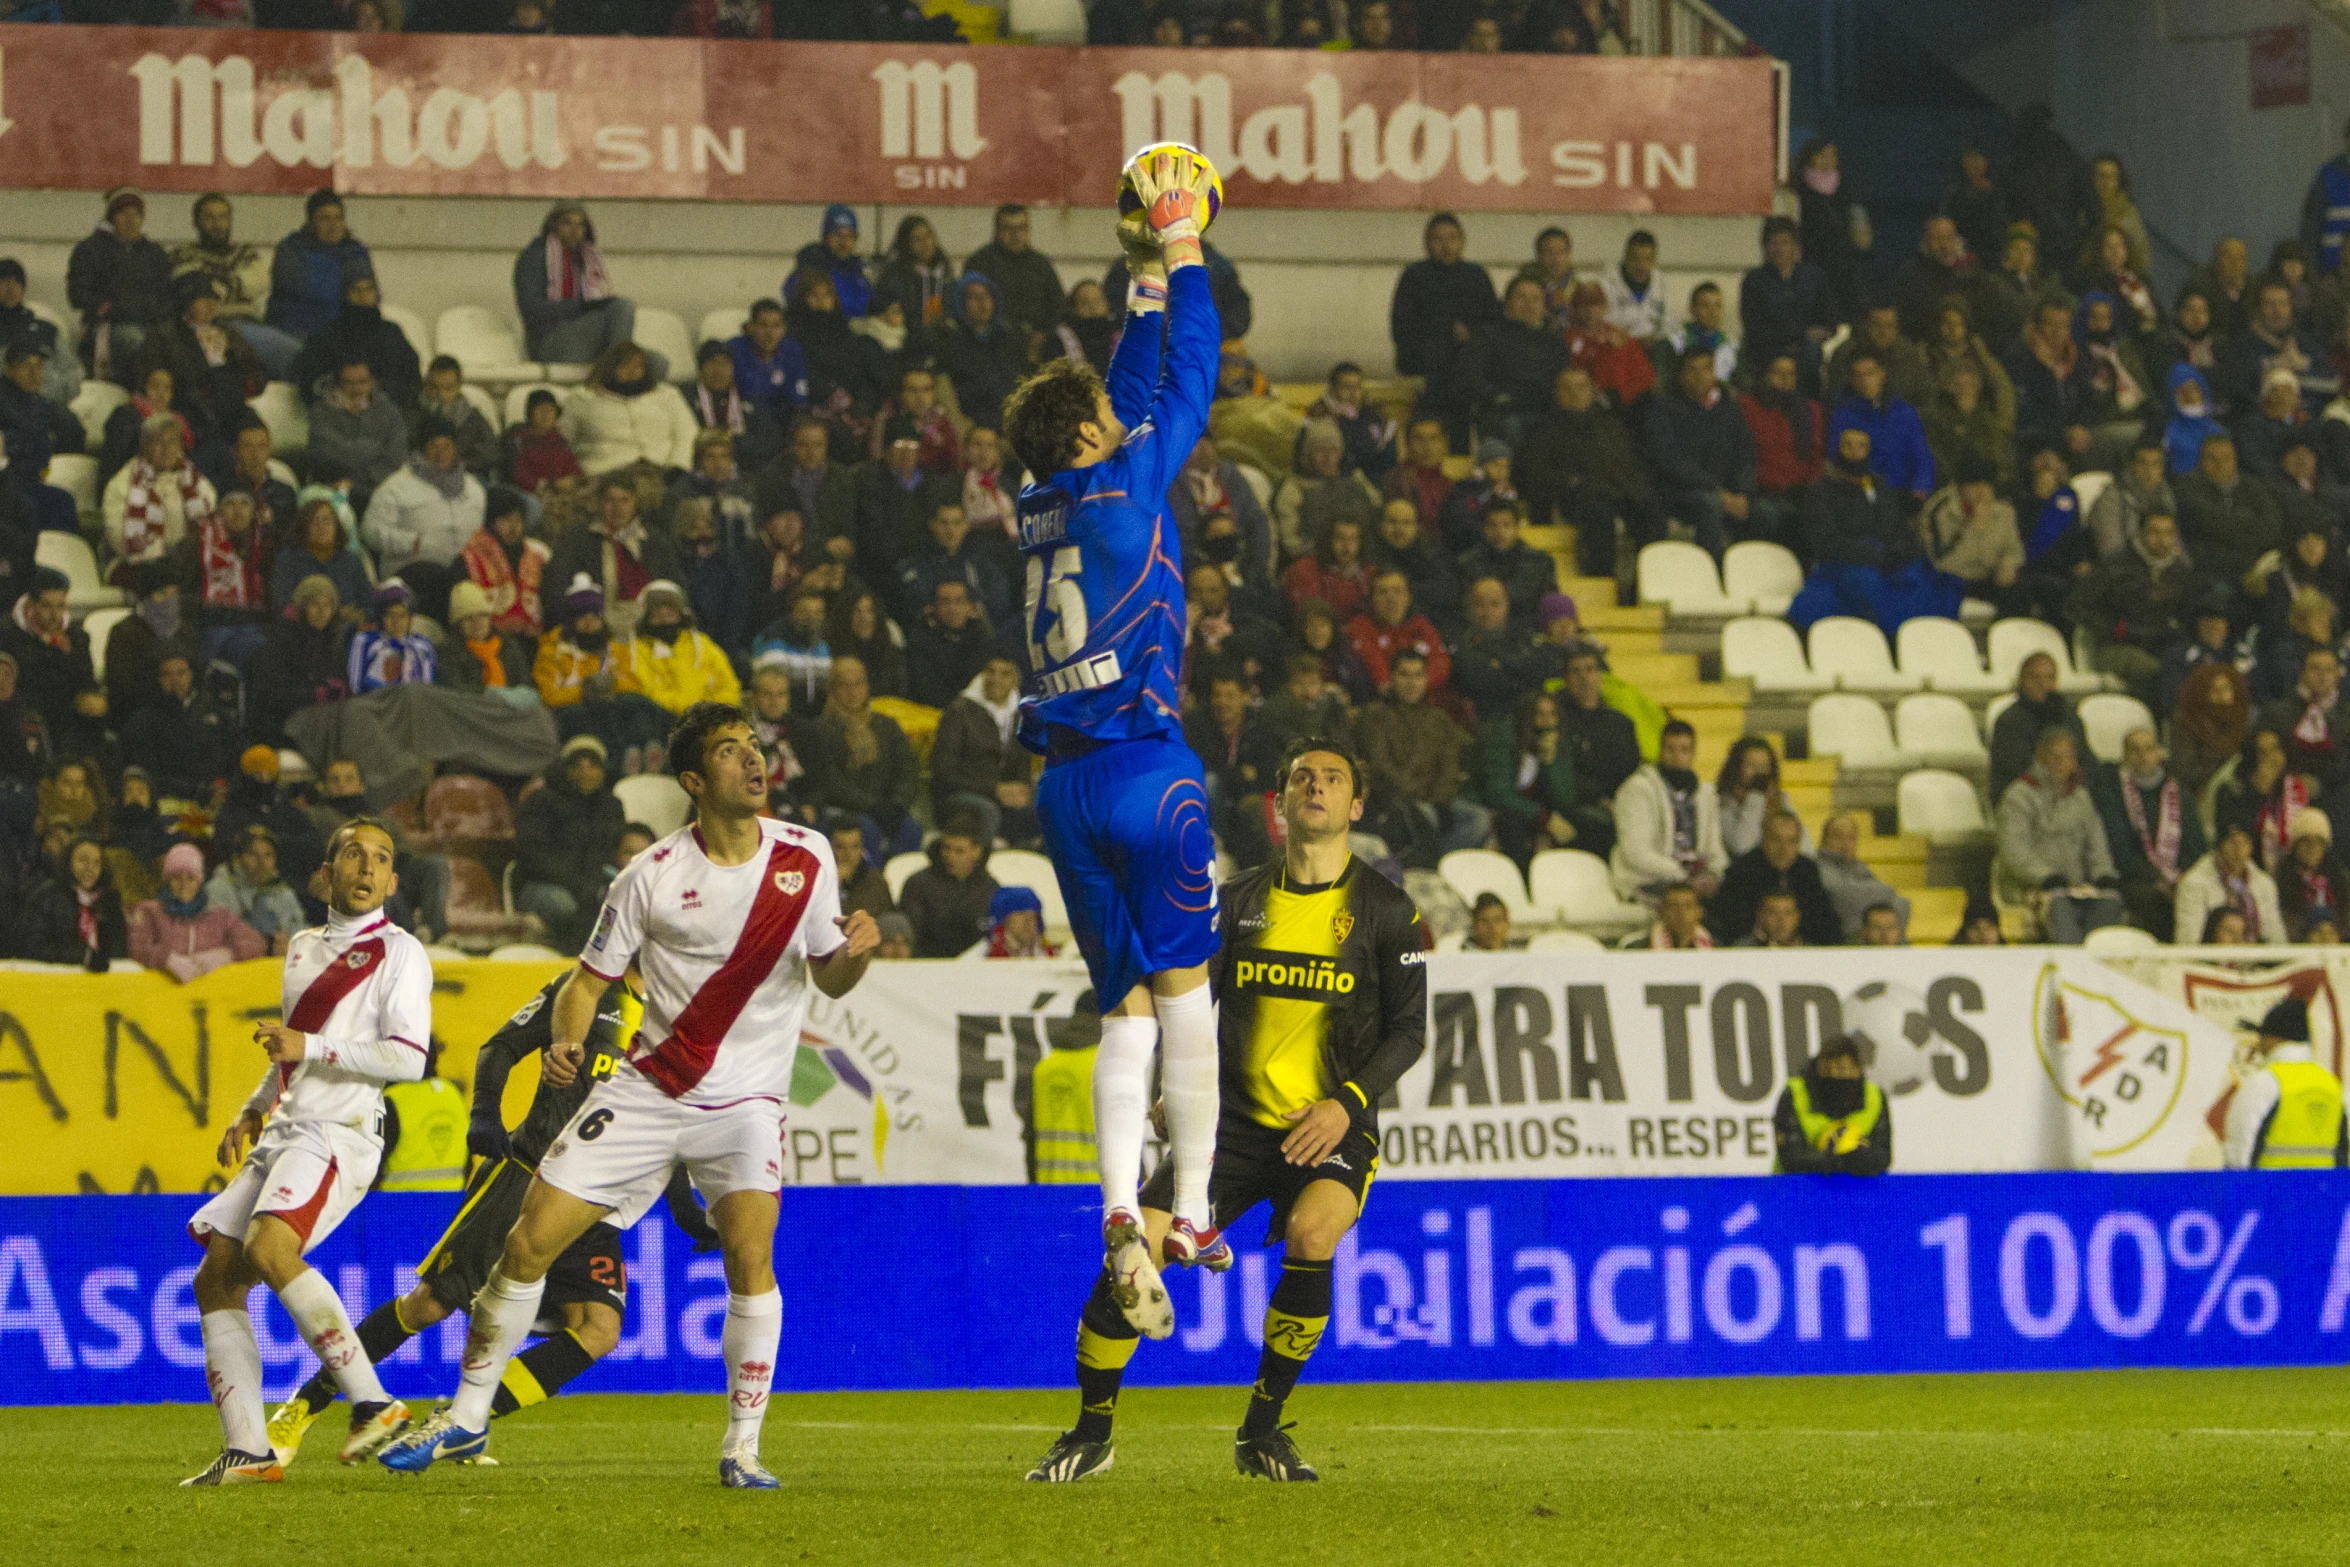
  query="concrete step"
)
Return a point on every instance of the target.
[
  {"x": 1602, "y": 616},
  {"x": 1811, "y": 770},
  {"x": 1934, "y": 914},
  {"x": 1654, "y": 671}
]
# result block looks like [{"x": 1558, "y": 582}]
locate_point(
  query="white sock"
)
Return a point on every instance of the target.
[
  {"x": 1188, "y": 1081},
  {"x": 754, "y": 1327},
  {"x": 1121, "y": 1107},
  {"x": 232, "y": 1365},
  {"x": 502, "y": 1315},
  {"x": 318, "y": 1311}
]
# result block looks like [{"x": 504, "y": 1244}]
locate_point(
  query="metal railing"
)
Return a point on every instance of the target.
[{"x": 1682, "y": 27}]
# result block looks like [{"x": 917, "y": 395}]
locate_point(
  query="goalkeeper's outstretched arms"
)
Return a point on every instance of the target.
[{"x": 1172, "y": 189}]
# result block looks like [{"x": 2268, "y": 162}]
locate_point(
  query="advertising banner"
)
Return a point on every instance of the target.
[
  {"x": 1442, "y": 1280},
  {"x": 425, "y": 114},
  {"x": 1537, "y": 1066}
]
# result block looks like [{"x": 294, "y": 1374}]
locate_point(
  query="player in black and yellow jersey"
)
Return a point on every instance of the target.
[
  {"x": 1324, "y": 998},
  {"x": 587, "y": 1290}
]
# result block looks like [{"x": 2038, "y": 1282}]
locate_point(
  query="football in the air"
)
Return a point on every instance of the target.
[
  {"x": 1895, "y": 1035},
  {"x": 1129, "y": 204}
]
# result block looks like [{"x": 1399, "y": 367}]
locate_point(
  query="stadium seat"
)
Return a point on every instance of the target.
[
  {"x": 70, "y": 554},
  {"x": 2017, "y": 638},
  {"x": 2108, "y": 719},
  {"x": 518, "y": 399},
  {"x": 720, "y": 325},
  {"x": 1047, "y": 21},
  {"x": 1939, "y": 730},
  {"x": 474, "y": 909},
  {"x": 663, "y": 332},
  {"x": 293, "y": 767},
  {"x": 1451, "y": 941},
  {"x": 1766, "y": 650},
  {"x": 2089, "y": 486},
  {"x": 1472, "y": 871},
  {"x": 1027, "y": 868},
  {"x": 412, "y": 326},
  {"x": 93, "y": 405},
  {"x": 1853, "y": 653},
  {"x": 2119, "y": 941},
  {"x": 1260, "y": 484},
  {"x": 1853, "y": 728},
  {"x": 1762, "y": 575},
  {"x": 654, "y": 800},
  {"x": 100, "y": 624},
  {"x": 461, "y": 808},
  {"x": 1682, "y": 578},
  {"x": 1939, "y": 806},
  {"x": 485, "y": 344},
  {"x": 1942, "y": 653},
  {"x": 282, "y": 409},
  {"x": 1572, "y": 887},
  {"x": 77, "y": 476},
  {"x": 483, "y": 404},
  {"x": 525, "y": 952},
  {"x": 901, "y": 869},
  {"x": 1566, "y": 941}
]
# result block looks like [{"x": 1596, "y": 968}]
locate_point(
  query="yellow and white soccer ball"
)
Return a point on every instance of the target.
[{"x": 1130, "y": 204}]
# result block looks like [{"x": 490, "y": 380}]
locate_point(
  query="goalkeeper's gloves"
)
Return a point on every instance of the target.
[
  {"x": 1146, "y": 268},
  {"x": 1170, "y": 203}
]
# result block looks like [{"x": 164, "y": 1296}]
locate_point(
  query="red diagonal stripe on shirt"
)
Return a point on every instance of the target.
[
  {"x": 337, "y": 980},
  {"x": 679, "y": 1062}
]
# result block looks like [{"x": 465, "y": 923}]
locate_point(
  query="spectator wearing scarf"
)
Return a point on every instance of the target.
[
  {"x": 181, "y": 931},
  {"x": 2311, "y": 879},
  {"x": 507, "y": 565},
  {"x": 580, "y": 650},
  {"x": 570, "y": 315},
  {"x": 153, "y": 503},
  {"x": 2311, "y": 721},
  {"x": 2263, "y": 794},
  {"x": 2153, "y": 829},
  {"x": 717, "y": 403},
  {"x": 2230, "y": 878},
  {"x": 231, "y": 555},
  {"x": 1007, "y": 939},
  {"x": 917, "y": 273},
  {"x": 390, "y": 653},
  {"x": 421, "y": 518}
]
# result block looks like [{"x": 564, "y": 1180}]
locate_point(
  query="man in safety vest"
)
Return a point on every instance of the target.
[
  {"x": 1060, "y": 1096},
  {"x": 424, "y": 1133},
  {"x": 2287, "y": 1112},
  {"x": 1832, "y": 1119}
]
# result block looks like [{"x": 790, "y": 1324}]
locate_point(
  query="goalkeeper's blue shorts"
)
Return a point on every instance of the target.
[{"x": 1126, "y": 826}]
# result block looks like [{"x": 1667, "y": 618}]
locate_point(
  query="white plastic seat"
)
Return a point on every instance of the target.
[
  {"x": 281, "y": 408},
  {"x": 518, "y": 400},
  {"x": 1939, "y": 806},
  {"x": 2017, "y": 638},
  {"x": 1763, "y": 575},
  {"x": 1472, "y": 871},
  {"x": 1573, "y": 885},
  {"x": 1566, "y": 941},
  {"x": 524, "y": 952},
  {"x": 1260, "y": 484},
  {"x": 663, "y": 332},
  {"x": 412, "y": 326},
  {"x": 94, "y": 404},
  {"x": 70, "y": 553},
  {"x": 720, "y": 325},
  {"x": 2119, "y": 941},
  {"x": 1942, "y": 653},
  {"x": 100, "y": 624},
  {"x": 561, "y": 375},
  {"x": 1854, "y": 728},
  {"x": 1766, "y": 650},
  {"x": 1682, "y": 578},
  {"x": 2088, "y": 487},
  {"x": 1939, "y": 730},
  {"x": 485, "y": 343},
  {"x": 1853, "y": 653},
  {"x": 654, "y": 800},
  {"x": 2108, "y": 719},
  {"x": 900, "y": 869},
  {"x": 1451, "y": 941},
  {"x": 1027, "y": 868},
  {"x": 483, "y": 404},
  {"x": 77, "y": 476},
  {"x": 1993, "y": 708}
]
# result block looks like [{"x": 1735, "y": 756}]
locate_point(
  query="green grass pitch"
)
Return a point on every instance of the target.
[{"x": 2135, "y": 1467}]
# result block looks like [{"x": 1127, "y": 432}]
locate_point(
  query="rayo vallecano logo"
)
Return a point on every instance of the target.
[{"x": 2120, "y": 1075}]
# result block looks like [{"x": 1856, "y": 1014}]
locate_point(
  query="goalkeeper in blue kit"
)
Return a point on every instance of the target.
[{"x": 1123, "y": 803}]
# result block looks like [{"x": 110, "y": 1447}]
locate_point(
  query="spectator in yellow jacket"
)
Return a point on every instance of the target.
[
  {"x": 579, "y": 649},
  {"x": 673, "y": 663}
]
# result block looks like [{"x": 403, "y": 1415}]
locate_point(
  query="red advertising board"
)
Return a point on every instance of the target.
[{"x": 198, "y": 109}]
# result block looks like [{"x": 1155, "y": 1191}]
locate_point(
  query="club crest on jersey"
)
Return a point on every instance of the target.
[
  {"x": 791, "y": 882},
  {"x": 1342, "y": 924},
  {"x": 356, "y": 960}
]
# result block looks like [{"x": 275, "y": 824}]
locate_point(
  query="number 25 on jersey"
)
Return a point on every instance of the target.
[{"x": 1060, "y": 596}]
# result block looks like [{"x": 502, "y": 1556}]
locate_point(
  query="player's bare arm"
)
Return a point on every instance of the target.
[
  {"x": 837, "y": 972},
  {"x": 575, "y": 1014},
  {"x": 241, "y": 1131}
]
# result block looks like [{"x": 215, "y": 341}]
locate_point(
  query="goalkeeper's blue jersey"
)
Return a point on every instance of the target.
[{"x": 1105, "y": 620}]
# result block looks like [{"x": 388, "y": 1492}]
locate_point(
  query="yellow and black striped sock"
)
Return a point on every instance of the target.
[
  {"x": 381, "y": 1333},
  {"x": 1294, "y": 1320},
  {"x": 1106, "y": 1341},
  {"x": 539, "y": 1372}
]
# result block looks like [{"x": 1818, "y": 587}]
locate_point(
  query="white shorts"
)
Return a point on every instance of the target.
[
  {"x": 309, "y": 1173},
  {"x": 618, "y": 1150}
]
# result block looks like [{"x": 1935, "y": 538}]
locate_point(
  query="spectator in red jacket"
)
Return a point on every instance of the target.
[
  {"x": 1390, "y": 627},
  {"x": 1333, "y": 573},
  {"x": 1618, "y": 365},
  {"x": 1786, "y": 426},
  {"x": 1420, "y": 477}
]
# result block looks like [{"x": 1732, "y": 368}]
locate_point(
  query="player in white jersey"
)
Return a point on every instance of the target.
[
  {"x": 358, "y": 1015},
  {"x": 728, "y": 922}
]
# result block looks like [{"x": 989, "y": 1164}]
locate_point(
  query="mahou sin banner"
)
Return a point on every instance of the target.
[{"x": 202, "y": 109}]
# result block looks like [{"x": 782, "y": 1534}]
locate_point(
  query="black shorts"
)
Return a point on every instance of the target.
[
  {"x": 1249, "y": 1170},
  {"x": 590, "y": 1271}
]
